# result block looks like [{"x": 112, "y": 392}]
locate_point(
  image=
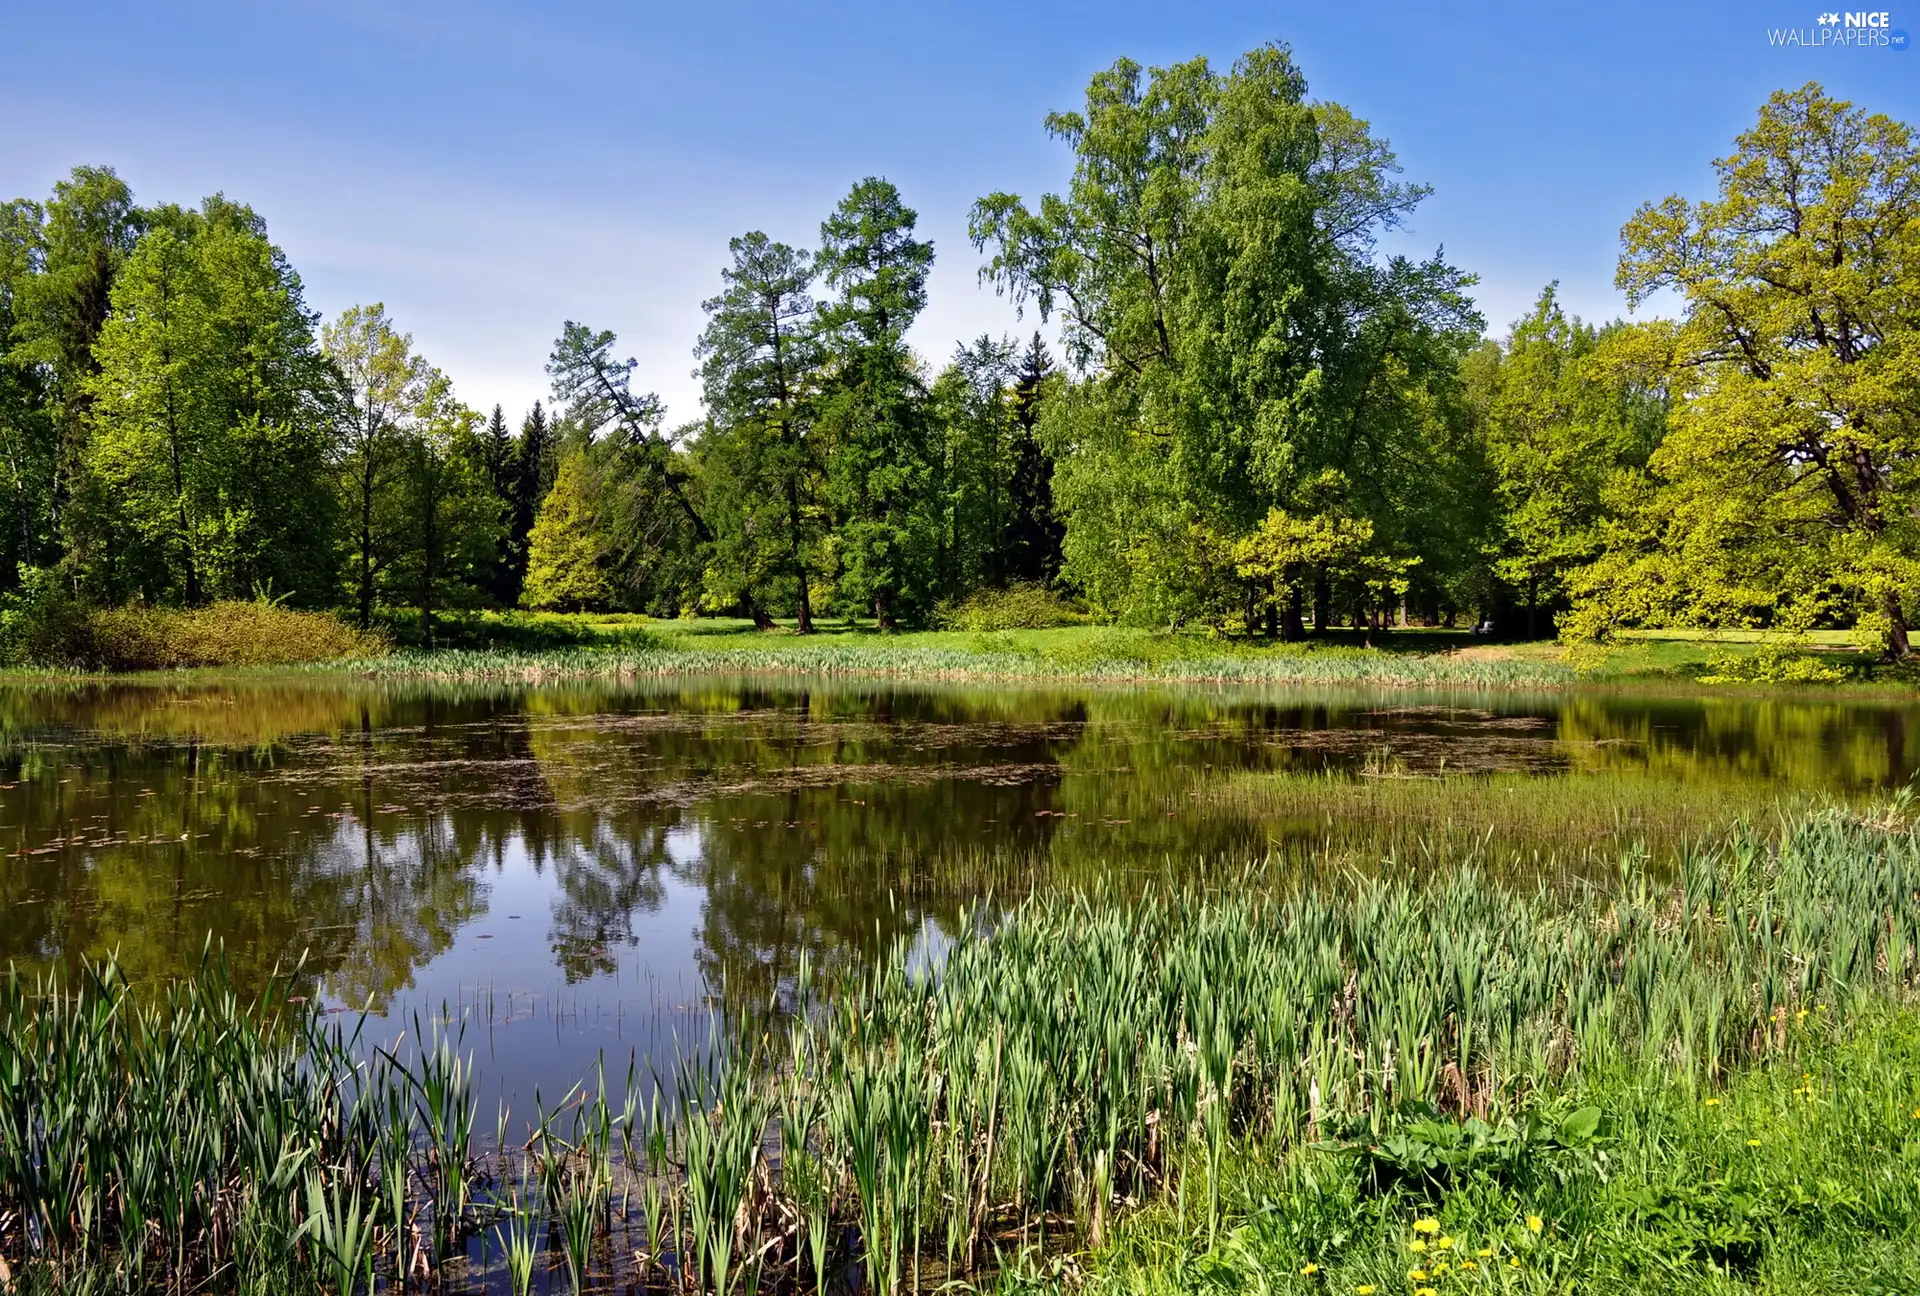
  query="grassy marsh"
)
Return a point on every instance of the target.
[{"x": 1284, "y": 1080}]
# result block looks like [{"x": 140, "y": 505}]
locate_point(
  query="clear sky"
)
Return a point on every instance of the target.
[{"x": 489, "y": 170}]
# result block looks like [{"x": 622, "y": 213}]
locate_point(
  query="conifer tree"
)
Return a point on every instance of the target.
[
  {"x": 532, "y": 475},
  {"x": 1034, "y": 532},
  {"x": 567, "y": 553},
  {"x": 882, "y": 473}
]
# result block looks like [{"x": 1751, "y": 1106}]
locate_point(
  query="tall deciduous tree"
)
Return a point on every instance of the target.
[
  {"x": 1215, "y": 263},
  {"x": 449, "y": 559},
  {"x": 27, "y": 444},
  {"x": 884, "y": 462},
  {"x": 91, "y": 225},
  {"x": 388, "y": 387},
  {"x": 1791, "y": 474},
  {"x": 211, "y": 415},
  {"x": 760, "y": 358},
  {"x": 1561, "y": 429}
]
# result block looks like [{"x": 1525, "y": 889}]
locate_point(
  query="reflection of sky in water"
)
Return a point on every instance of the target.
[{"x": 569, "y": 870}]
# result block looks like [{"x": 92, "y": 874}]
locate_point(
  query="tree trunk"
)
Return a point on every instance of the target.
[
  {"x": 883, "y": 613},
  {"x": 1293, "y": 627},
  {"x": 1898, "y": 647}
]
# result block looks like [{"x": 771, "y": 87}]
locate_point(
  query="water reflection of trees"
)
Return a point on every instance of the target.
[{"x": 361, "y": 825}]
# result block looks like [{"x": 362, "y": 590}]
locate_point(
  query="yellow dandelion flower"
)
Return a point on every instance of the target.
[
  {"x": 1364, "y": 1289},
  {"x": 1801, "y": 1015},
  {"x": 1416, "y": 1246},
  {"x": 1309, "y": 1269},
  {"x": 1535, "y": 1224},
  {"x": 1445, "y": 1244},
  {"x": 1425, "y": 1291},
  {"x": 1418, "y": 1275},
  {"x": 1713, "y": 1102},
  {"x": 1513, "y": 1262},
  {"x": 1440, "y": 1268},
  {"x": 1484, "y": 1252},
  {"x": 1426, "y": 1226},
  {"x": 1469, "y": 1264},
  {"x": 1753, "y": 1142}
]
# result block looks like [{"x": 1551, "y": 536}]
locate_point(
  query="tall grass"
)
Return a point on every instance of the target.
[
  {"x": 1091, "y": 654},
  {"x": 938, "y": 1118}
]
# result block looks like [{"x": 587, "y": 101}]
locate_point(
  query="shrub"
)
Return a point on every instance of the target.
[
  {"x": 1773, "y": 663},
  {"x": 1022, "y": 606},
  {"x": 45, "y": 628},
  {"x": 42, "y": 624}
]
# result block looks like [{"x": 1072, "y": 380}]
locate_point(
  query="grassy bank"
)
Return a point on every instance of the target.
[
  {"x": 522, "y": 647},
  {"x": 1708, "y": 1082}
]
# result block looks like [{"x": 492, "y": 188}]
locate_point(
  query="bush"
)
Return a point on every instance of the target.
[
  {"x": 43, "y": 626},
  {"x": 1022, "y": 606},
  {"x": 1773, "y": 663}
]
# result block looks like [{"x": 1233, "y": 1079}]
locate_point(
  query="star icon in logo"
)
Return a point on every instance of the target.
[{"x": 1829, "y": 19}]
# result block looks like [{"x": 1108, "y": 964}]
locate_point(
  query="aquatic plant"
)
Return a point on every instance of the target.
[{"x": 1061, "y": 1059}]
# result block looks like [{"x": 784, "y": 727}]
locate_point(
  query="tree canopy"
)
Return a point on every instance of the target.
[{"x": 1247, "y": 406}]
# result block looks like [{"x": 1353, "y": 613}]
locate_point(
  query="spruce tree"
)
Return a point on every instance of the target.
[
  {"x": 1033, "y": 532},
  {"x": 501, "y": 460},
  {"x": 533, "y": 473}
]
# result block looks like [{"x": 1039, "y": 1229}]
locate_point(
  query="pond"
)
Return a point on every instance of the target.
[{"x": 585, "y": 871}]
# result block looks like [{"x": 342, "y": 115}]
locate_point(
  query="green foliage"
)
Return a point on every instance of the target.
[
  {"x": 874, "y": 410},
  {"x": 567, "y": 552},
  {"x": 209, "y": 419},
  {"x": 43, "y": 626},
  {"x": 1018, "y": 607},
  {"x": 760, "y": 361},
  {"x": 1214, "y": 263},
  {"x": 1269, "y": 423},
  {"x": 1787, "y": 476},
  {"x": 1565, "y": 434},
  {"x": 389, "y": 390}
]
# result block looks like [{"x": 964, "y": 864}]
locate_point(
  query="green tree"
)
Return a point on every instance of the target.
[
  {"x": 90, "y": 227},
  {"x": 596, "y": 392},
  {"x": 27, "y": 443},
  {"x": 536, "y": 459},
  {"x": 498, "y": 454},
  {"x": 882, "y": 470},
  {"x": 1033, "y": 531},
  {"x": 450, "y": 558},
  {"x": 211, "y": 413},
  {"x": 566, "y": 567},
  {"x": 1214, "y": 261},
  {"x": 972, "y": 407},
  {"x": 1789, "y": 484},
  {"x": 760, "y": 359},
  {"x": 1561, "y": 429},
  {"x": 387, "y": 387}
]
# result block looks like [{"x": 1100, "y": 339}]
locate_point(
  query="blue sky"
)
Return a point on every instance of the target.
[{"x": 489, "y": 170}]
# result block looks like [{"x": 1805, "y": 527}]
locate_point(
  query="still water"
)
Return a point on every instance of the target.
[{"x": 577, "y": 872}]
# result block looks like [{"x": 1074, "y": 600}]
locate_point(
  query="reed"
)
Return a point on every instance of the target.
[{"x": 931, "y": 1122}]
